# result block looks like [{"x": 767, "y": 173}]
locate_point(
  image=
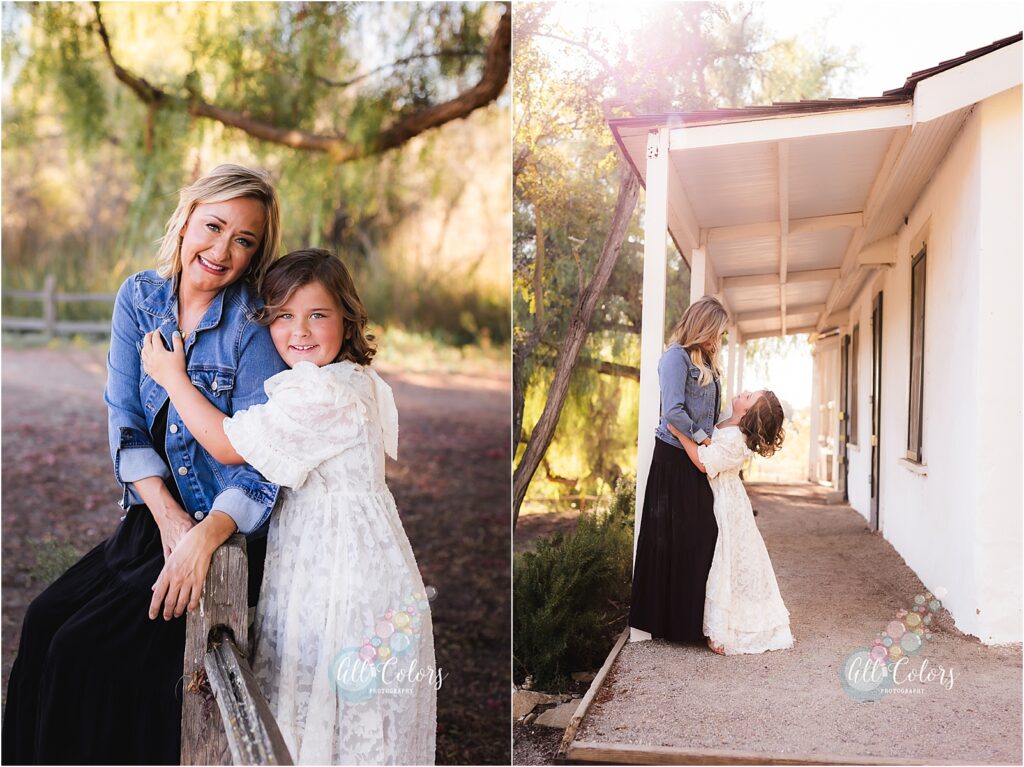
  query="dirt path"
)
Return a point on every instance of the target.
[
  {"x": 451, "y": 486},
  {"x": 842, "y": 584}
]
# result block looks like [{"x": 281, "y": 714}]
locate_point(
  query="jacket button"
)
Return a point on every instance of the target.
[
  {"x": 174, "y": 428},
  {"x": 214, "y": 385},
  {"x": 199, "y": 515},
  {"x": 183, "y": 471}
]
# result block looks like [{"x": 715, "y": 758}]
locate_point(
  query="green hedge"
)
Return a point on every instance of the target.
[{"x": 571, "y": 595}]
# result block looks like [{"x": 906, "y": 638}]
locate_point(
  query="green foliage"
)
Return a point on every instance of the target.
[
  {"x": 568, "y": 72},
  {"x": 571, "y": 595},
  {"x": 91, "y": 173},
  {"x": 52, "y": 559}
]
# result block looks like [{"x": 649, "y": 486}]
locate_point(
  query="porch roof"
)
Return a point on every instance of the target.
[{"x": 796, "y": 204}]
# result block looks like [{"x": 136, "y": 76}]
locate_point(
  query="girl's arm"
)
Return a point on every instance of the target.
[
  {"x": 689, "y": 446},
  {"x": 203, "y": 419}
]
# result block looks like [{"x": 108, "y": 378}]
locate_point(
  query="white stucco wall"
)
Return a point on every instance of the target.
[{"x": 956, "y": 520}]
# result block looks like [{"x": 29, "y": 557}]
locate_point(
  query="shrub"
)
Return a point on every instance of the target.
[
  {"x": 571, "y": 595},
  {"x": 52, "y": 559}
]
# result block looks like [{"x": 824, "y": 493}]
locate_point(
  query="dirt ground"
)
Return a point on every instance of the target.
[
  {"x": 842, "y": 584},
  {"x": 451, "y": 486}
]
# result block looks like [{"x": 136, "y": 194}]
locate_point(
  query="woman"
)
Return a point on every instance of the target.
[
  {"x": 677, "y": 537},
  {"x": 98, "y": 673}
]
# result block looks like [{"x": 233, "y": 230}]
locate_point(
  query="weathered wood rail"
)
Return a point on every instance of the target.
[
  {"x": 224, "y": 717},
  {"x": 49, "y": 323}
]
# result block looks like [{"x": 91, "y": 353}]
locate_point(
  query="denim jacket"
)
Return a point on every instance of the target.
[
  {"x": 229, "y": 356},
  {"x": 684, "y": 402}
]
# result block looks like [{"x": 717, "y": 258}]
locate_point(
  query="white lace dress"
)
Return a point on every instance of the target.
[
  {"x": 344, "y": 647},
  {"x": 743, "y": 609}
]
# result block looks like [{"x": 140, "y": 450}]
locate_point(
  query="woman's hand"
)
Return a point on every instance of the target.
[
  {"x": 180, "y": 583},
  {"x": 174, "y": 526},
  {"x": 161, "y": 365}
]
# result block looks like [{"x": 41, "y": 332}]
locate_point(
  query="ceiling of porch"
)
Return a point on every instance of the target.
[{"x": 793, "y": 203}]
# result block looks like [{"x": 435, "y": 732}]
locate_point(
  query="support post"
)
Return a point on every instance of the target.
[
  {"x": 652, "y": 335},
  {"x": 730, "y": 375},
  {"x": 698, "y": 273}
]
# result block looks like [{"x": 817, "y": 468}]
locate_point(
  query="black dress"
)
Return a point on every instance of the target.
[
  {"x": 95, "y": 680},
  {"x": 675, "y": 548}
]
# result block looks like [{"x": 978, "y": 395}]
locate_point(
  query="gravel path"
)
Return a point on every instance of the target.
[
  {"x": 842, "y": 585},
  {"x": 451, "y": 486}
]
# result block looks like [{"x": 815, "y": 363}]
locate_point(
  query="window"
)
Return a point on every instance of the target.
[
  {"x": 851, "y": 424},
  {"x": 917, "y": 291}
]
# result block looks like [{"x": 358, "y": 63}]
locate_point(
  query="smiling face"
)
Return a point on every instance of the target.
[
  {"x": 219, "y": 242},
  {"x": 743, "y": 401},
  {"x": 309, "y": 327}
]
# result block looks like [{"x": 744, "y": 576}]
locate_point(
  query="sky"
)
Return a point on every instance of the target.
[{"x": 895, "y": 39}]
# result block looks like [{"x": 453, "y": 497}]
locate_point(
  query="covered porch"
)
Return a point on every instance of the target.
[{"x": 798, "y": 217}]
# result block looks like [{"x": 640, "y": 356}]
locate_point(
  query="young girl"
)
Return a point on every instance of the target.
[
  {"x": 344, "y": 648},
  {"x": 743, "y": 610}
]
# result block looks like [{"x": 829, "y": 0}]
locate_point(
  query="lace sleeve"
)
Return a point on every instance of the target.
[
  {"x": 726, "y": 452},
  {"x": 307, "y": 419}
]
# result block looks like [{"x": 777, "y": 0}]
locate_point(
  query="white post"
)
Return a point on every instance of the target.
[
  {"x": 740, "y": 356},
  {"x": 652, "y": 335},
  {"x": 730, "y": 374},
  {"x": 698, "y": 273}
]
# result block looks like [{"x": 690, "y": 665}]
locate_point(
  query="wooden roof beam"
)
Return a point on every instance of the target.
[{"x": 795, "y": 226}]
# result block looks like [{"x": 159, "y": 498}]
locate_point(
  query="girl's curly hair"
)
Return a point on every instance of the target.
[
  {"x": 762, "y": 425},
  {"x": 302, "y": 267}
]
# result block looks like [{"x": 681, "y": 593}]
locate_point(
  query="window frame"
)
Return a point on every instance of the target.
[{"x": 915, "y": 439}]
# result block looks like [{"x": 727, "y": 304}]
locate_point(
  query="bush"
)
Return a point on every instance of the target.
[
  {"x": 52, "y": 559},
  {"x": 571, "y": 595}
]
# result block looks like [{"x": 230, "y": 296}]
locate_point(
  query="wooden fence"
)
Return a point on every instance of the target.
[
  {"x": 49, "y": 323},
  {"x": 224, "y": 717}
]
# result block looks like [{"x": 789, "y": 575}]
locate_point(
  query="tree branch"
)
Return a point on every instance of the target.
[
  {"x": 453, "y": 52},
  {"x": 492, "y": 83}
]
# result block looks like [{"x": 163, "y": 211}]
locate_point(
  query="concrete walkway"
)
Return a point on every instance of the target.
[{"x": 842, "y": 584}]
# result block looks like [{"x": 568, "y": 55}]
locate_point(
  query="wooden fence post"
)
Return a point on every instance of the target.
[
  {"x": 50, "y": 306},
  {"x": 225, "y": 601}
]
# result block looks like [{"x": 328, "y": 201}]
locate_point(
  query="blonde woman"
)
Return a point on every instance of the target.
[
  {"x": 97, "y": 679},
  {"x": 677, "y": 529}
]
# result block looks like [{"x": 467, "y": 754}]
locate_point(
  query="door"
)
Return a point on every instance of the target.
[
  {"x": 844, "y": 412},
  {"x": 876, "y": 405}
]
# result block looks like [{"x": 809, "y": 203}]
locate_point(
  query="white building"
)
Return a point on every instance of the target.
[{"x": 889, "y": 229}]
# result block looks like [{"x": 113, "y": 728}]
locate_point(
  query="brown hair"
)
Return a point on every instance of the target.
[
  {"x": 762, "y": 425},
  {"x": 702, "y": 324},
  {"x": 302, "y": 267}
]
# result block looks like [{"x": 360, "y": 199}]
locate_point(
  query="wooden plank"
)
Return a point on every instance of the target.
[
  {"x": 252, "y": 732},
  {"x": 72, "y": 298},
  {"x": 771, "y": 314},
  {"x": 588, "y": 699},
  {"x": 31, "y": 295},
  {"x": 620, "y": 753},
  {"x": 225, "y": 601}
]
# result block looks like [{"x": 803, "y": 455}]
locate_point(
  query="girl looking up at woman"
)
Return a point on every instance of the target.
[
  {"x": 743, "y": 610},
  {"x": 344, "y": 647}
]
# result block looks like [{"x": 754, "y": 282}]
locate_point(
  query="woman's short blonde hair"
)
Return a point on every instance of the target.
[
  {"x": 225, "y": 182},
  {"x": 700, "y": 331}
]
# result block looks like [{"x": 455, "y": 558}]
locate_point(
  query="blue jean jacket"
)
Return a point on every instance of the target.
[
  {"x": 685, "y": 404},
  {"x": 229, "y": 356}
]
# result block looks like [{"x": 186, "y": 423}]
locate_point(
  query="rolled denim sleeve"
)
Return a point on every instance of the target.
[
  {"x": 131, "y": 447},
  {"x": 672, "y": 378},
  {"x": 249, "y": 498}
]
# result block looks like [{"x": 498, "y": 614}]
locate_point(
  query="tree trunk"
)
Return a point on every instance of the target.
[{"x": 578, "y": 327}]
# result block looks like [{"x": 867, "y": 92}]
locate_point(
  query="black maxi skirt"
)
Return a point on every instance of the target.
[
  {"x": 96, "y": 681},
  {"x": 675, "y": 548}
]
